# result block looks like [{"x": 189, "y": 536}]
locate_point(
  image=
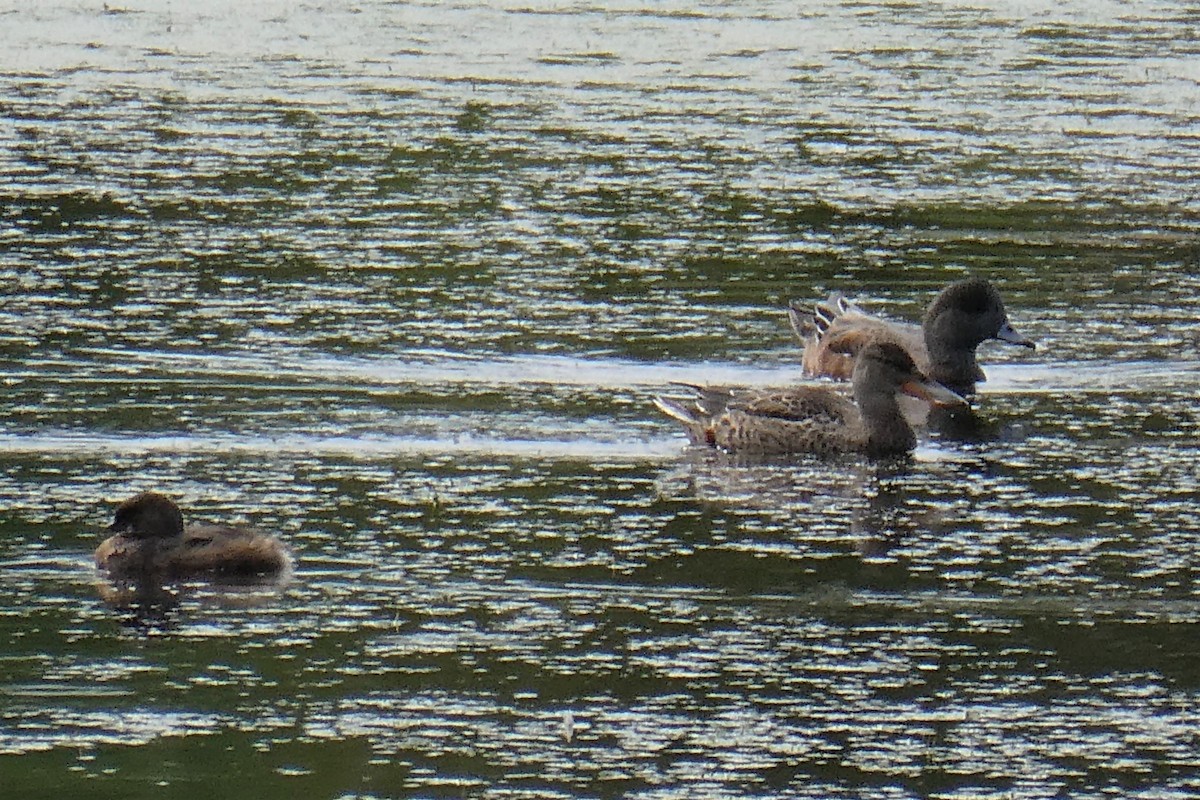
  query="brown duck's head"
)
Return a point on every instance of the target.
[
  {"x": 887, "y": 367},
  {"x": 148, "y": 515},
  {"x": 967, "y": 313}
]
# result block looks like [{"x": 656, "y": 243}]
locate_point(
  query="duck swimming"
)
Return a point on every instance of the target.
[
  {"x": 960, "y": 318},
  {"x": 150, "y": 541},
  {"x": 816, "y": 419}
]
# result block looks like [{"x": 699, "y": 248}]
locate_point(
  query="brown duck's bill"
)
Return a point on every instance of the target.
[
  {"x": 1008, "y": 333},
  {"x": 932, "y": 392}
]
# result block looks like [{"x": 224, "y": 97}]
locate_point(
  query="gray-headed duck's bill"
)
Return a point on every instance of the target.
[{"x": 1008, "y": 333}]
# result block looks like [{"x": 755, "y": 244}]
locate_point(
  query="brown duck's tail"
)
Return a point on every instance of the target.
[
  {"x": 694, "y": 420},
  {"x": 678, "y": 411},
  {"x": 708, "y": 401},
  {"x": 812, "y": 324}
]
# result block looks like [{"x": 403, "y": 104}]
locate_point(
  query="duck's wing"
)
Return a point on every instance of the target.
[
  {"x": 805, "y": 419},
  {"x": 796, "y": 404},
  {"x": 813, "y": 419},
  {"x": 837, "y": 329}
]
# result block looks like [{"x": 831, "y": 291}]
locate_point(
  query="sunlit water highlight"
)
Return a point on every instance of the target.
[{"x": 399, "y": 280}]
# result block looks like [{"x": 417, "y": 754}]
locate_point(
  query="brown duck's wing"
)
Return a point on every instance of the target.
[
  {"x": 801, "y": 403},
  {"x": 226, "y": 550},
  {"x": 833, "y": 355},
  {"x": 801, "y": 420}
]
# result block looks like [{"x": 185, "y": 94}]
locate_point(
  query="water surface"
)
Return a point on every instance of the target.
[{"x": 398, "y": 281}]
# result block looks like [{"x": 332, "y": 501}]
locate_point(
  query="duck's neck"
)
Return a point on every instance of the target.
[
  {"x": 887, "y": 429},
  {"x": 952, "y": 361},
  {"x": 959, "y": 376}
]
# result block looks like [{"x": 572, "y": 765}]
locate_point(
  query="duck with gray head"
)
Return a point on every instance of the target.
[
  {"x": 815, "y": 419},
  {"x": 963, "y": 315},
  {"x": 150, "y": 542}
]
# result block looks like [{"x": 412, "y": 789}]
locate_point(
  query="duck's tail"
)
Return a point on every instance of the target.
[
  {"x": 810, "y": 324},
  {"x": 697, "y": 423}
]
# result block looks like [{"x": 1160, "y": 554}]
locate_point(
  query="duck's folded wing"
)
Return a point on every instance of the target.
[
  {"x": 799, "y": 404},
  {"x": 850, "y": 333}
]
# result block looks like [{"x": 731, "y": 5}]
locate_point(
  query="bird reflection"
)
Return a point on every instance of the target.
[
  {"x": 876, "y": 496},
  {"x": 141, "y": 604},
  {"x": 717, "y": 478},
  {"x": 885, "y": 522},
  {"x": 148, "y": 604}
]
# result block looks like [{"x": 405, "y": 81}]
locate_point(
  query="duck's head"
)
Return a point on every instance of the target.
[
  {"x": 148, "y": 515},
  {"x": 884, "y": 368},
  {"x": 967, "y": 313}
]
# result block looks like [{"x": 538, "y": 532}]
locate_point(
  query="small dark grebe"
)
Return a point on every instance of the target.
[{"x": 150, "y": 541}]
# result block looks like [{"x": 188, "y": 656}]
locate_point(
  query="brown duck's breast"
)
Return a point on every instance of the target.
[{"x": 116, "y": 551}]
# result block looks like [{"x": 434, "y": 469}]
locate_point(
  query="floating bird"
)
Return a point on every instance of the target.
[
  {"x": 815, "y": 419},
  {"x": 960, "y": 318},
  {"x": 151, "y": 542}
]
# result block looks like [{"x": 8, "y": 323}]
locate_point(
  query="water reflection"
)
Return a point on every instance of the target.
[
  {"x": 152, "y": 605},
  {"x": 874, "y": 503},
  {"x": 398, "y": 280},
  {"x": 146, "y": 605},
  {"x": 887, "y": 520}
]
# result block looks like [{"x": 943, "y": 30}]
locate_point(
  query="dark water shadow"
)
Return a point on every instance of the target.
[
  {"x": 989, "y": 419},
  {"x": 962, "y": 425}
]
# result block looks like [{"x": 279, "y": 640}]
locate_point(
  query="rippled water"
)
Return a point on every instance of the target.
[{"x": 398, "y": 281}]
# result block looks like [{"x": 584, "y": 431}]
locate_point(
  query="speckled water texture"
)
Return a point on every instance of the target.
[{"x": 398, "y": 281}]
